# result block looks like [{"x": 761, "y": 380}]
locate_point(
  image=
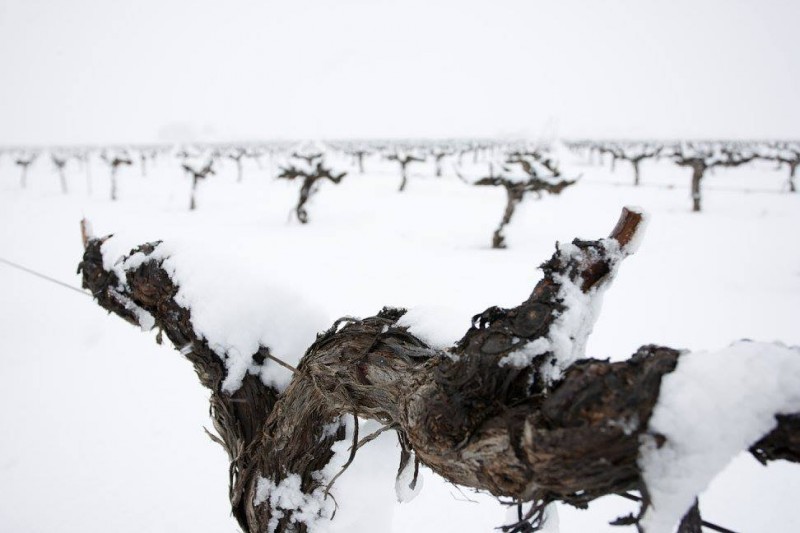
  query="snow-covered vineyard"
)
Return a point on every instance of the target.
[{"x": 256, "y": 249}]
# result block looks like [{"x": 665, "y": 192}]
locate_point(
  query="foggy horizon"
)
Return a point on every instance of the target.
[{"x": 91, "y": 72}]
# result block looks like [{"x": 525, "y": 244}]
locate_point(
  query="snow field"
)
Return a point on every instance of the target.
[{"x": 104, "y": 427}]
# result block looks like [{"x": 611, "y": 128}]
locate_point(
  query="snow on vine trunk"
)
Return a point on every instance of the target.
[
  {"x": 566, "y": 339},
  {"x": 740, "y": 389},
  {"x": 236, "y": 317},
  {"x": 438, "y": 325},
  {"x": 316, "y": 509}
]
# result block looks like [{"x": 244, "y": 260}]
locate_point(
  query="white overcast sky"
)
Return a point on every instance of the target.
[{"x": 106, "y": 71}]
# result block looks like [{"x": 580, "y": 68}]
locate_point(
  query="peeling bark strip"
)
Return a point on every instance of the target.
[{"x": 513, "y": 408}]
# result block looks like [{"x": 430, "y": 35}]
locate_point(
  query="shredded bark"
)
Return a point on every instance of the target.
[{"x": 496, "y": 428}]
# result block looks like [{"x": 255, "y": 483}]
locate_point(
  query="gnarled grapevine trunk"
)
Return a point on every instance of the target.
[{"x": 513, "y": 408}]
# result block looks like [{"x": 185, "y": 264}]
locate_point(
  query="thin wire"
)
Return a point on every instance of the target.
[
  {"x": 43, "y": 276},
  {"x": 280, "y": 362},
  {"x": 76, "y": 289}
]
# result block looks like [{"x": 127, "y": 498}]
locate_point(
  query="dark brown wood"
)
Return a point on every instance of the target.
[{"x": 505, "y": 429}]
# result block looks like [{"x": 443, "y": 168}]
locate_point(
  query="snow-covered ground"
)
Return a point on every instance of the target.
[{"x": 103, "y": 428}]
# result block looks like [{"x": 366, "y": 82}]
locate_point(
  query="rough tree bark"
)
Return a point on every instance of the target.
[{"x": 543, "y": 431}]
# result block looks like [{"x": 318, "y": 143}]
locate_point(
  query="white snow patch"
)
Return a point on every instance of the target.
[
  {"x": 186, "y": 349},
  {"x": 287, "y": 496},
  {"x": 233, "y": 308},
  {"x": 145, "y": 319},
  {"x": 551, "y": 521},
  {"x": 710, "y": 408},
  {"x": 314, "y": 509},
  {"x": 340, "y": 449},
  {"x": 438, "y": 326},
  {"x": 112, "y": 262},
  {"x": 329, "y": 430},
  {"x": 524, "y": 356},
  {"x": 570, "y": 331},
  {"x": 239, "y": 311}
]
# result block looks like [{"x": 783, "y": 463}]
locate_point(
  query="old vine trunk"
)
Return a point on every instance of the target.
[{"x": 491, "y": 413}]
